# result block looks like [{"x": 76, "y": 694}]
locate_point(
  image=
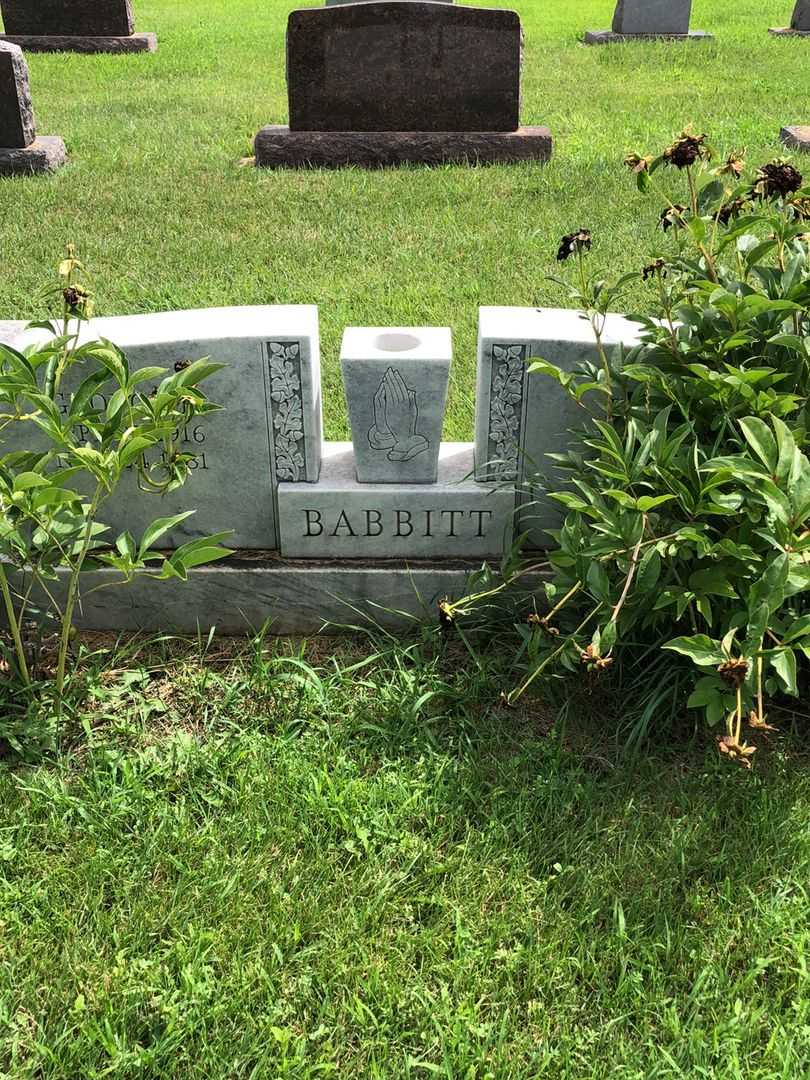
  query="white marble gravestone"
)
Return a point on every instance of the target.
[
  {"x": 268, "y": 432},
  {"x": 522, "y": 417}
]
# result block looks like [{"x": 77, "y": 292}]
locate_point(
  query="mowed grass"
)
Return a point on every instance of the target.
[
  {"x": 166, "y": 218},
  {"x": 250, "y": 867}
]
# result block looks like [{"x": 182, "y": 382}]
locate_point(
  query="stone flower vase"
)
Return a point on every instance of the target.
[{"x": 396, "y": 390}]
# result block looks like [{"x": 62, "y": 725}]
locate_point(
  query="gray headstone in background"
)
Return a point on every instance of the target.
[
  {"x": 268, "y": 432},
  {"x": 520, "y": 418},
  {"x": 801, "y": 16},
  {"x": 396, "y": 390},
  {"x": 17, "y": 127},
  {"x": 332, "y": 3},
  {"x": 339, "y": 518},
  {"x": 91, "y": 18},
  {"x": 415, "y": 66},
  {"x": 652, "y": 17}
]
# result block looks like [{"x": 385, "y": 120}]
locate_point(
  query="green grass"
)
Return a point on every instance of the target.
[
  {"x": 166, "y": 218},
  {"x": 250, "y": 868}
]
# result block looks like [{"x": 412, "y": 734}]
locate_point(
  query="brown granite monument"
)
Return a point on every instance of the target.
[
  {"x": 89, "y": 26},
  {"x": 21, "y": 151},
  {"x": 383, "y": 83},
  {"x": 797, "y": 137}
]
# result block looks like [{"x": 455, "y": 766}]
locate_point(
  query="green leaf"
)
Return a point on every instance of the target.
[
  {"x": 700, "y": 648},
  {"x": 760, "y": 438},
  {"x": 159, "y": 528},
  {"x": 27, "y": 480},
  {"x": 784, "y": 664}
]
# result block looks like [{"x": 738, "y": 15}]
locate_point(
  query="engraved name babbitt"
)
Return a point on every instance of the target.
[{"x": 422, "y": 523}]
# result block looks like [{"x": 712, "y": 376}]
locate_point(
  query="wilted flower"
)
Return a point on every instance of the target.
[
  {"x": 75, "y": 298},
  {"x": 734, "y": 671},
  {"x": 541, "y": 621},
  {"x": 672, "y": 217},
  {"x": 181, "y": 365},
  {"x": 591, "y": 659},
  {"x": 732, "y": 166},
  {"x": 573, "y": 243},
  {"x": 730, "y": 210},
  {"x": 777, "y": 179},
  {"x": 759, "y": 723},
  {"x": 446, "y": 616},
  {"x": 738, "y": 751},
  {"x": 686, "y": 150},
  {"x": 638, "y": 164},
  {"x": 659, "y": 267}
]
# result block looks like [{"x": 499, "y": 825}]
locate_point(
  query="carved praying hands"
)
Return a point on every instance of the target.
[{"x": 396, "y": 416}]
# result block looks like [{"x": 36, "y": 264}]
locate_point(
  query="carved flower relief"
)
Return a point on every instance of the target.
[
  {"x": 509, "y": 372},
  {"x": 287, "y": 410}
]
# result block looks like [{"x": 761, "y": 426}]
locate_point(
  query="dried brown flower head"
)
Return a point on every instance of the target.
[
  {"x": 181, "y": 365},
  {"x": 687, "y": 150},
  {"x": 672, "y": 217},
  {"x": 734, "y": 165},
  {"x": 777, "y": 179},
  {"x": 731, "y": 210},
  {"x": 734, "y": 671},
  {"x": 638, "y": 163},
  {"x": 654, "y": 269},
  {"x": 740, "y": 752},
  {"x": 591, "y": 659},
  {"x": 75, "y": 297},
  {"x": 574, "y": 243}
]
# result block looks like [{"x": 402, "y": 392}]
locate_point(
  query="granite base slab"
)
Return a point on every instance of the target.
[
  {"x": 295, "y": 597},
  {"x": 133, "y": 43},
  {"x": 340, "y": 518},
  {"x": 277, "y": 147},
  {"x": 610, "y": 37},
  {"x": 788, "y": 31},
  {"x": 797, "y": 137},
  {"x": 45, "y": 154}
]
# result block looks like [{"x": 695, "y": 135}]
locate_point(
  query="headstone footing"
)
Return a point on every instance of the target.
[{"x": 134, "y": 43}]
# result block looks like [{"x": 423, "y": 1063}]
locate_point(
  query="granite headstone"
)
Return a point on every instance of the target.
[
  {"x": 17, "y": 127},
  {"x": 652, "y": 17},
  {"x": 801, "y": 16},
  {"x": 418, "y": 66},
  {"x": 91, "y": 18},
  {"x": 268, "y": 432}
]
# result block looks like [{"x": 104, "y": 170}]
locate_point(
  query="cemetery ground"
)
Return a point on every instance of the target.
[
  {"x": 272, "y": 859},
  {"x": 266, "y": 861},
  {"x": 161, "y": 211}
]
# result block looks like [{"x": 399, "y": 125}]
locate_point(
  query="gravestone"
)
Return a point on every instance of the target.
[
  {"x": 797, "y": 137},
  {"x": 267, "y": 434},
  {"x": 800, "y": 22},
  {"x": 21, "y": 151},
  {"x": 330, "y": 3},
  {"x": 74, "y": 26},
  {"x": 340, "y": 518},
  {"x": 381, "y": 83},
  {"x": 522, "y": 417},
  {"x": 634, "y": 19},
  {"x": 396, "y": 391}
]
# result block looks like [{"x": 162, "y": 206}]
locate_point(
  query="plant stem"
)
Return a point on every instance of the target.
[
  {"x": 14, "y": 627},
  {"x": 70, "y": 599}
]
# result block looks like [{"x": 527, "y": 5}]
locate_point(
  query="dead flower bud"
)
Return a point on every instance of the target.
[
  {"x": 181, "y": 365},
  {"x": 672, "y": 217},
  {"x": 736, "y": 751},
  {"x": 777, "y": 179},
  {"x": 574, "y": 243},
  {"x": 541, "y": 622},
  {"x": 734, "y": 165},
  {"x": 730, "y": 210},
  {"x": 75, "y": 297},
  {"x": 446, "y": 616},
  {"x": 686, "y": 150},
  {"x": 638, "y": 164},
  {"x": 653, "y": 269},
  {"x": 734, "y": 671},
  {"x": 759, "y": 723},
  {"x": 593, "y": 661}
]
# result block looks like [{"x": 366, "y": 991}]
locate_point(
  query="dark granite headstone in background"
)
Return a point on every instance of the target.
[
  {"x": 17, "y": 128},
  {"x": 801, "y": 16},
  {"x": 652, "y": 17},
  {"x": 418, "y": 66},
  {"x": 90, "y": 18}
]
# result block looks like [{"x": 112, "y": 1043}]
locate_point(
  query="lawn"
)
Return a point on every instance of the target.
[
  {"x": 247, "y": 867},
  {"x": 166, "y": 218}
]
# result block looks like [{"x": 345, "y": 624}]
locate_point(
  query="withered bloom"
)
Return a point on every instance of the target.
[
  {"x": 686, "y": 150},
  {"x": 181, "y": 365},
  {"x": 659, "y": 267},
  {"x": 574, "y": 242},
  {"x": 730, "y": 210},
  {"x": 672, "y": 217},
  {"x": 637, "y": 163},
  {"x": 446, "y": 616},
  {"x": 777, "y": 179},
  {"x": 591, "y": 659},
  {"x": 75, "y": 297},
  {"x": 732, "y": 166},
  {"x": 734, "y": 671}
]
